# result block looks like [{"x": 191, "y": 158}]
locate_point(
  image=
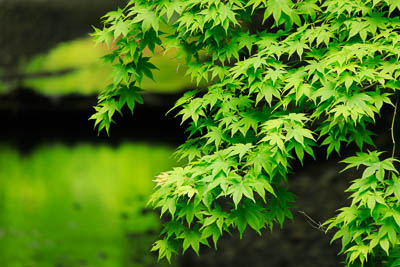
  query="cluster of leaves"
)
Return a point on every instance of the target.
[
  {"x": 370, "y": 226},
  {"x": 284, "y": 76}
]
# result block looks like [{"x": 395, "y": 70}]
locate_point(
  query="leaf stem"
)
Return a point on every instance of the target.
[
  {"x": 392, "y": 128},
  {"x": 369, "y": 86}
]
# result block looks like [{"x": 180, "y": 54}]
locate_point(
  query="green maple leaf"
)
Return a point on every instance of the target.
[
  {"x": 229, "y": 52},
  {"x": 309, "y": 8},
  {"x": 299, "y": 133},
  {"x": 256, "y": 3},
  {"x": 248, "y": 214},
  {"x": 242, "y": 102},
  {"x": 225, "y": 12},
  {"x": 240, "y": 149},
  {"x": 217, "y": 216},
  {"x": 221, "y": 164},
  {"x": 173, "y": 229},
  {"x": 275, "y": 139},
  {"x": 395, "y": 215},
  {"x": 192, "y": 110},
  {"x": 393, "y": 4},
  {"x": 173, "y": 6},
  {"x": 143, "y": 66},
  {"x": 261, "y": 159},
  {"x": 219, "y": 71},
  {"x": 274, "y": 74},
  {"x": 384, "y": 243},
  {"x": 111, "y": 106},
  {"x": 103, "y": 36},
  {"x": 170, "y": 205},
  {"x": 165, "y": 249},
  {"x": 211, "y": 230},
  {"x": 121, "y": 73},
  {"x": 129, "y": 95},
  {"x": 295, "y": 78},
  {"x": 315, "y": 66},
  {"x": 358, "y": 27},
  {"x": 191, "y": 149},
  {"x": 246, "y": 40},
  {"x": 191, "y": 238},
  {"x": 104, "y": 112},
  {"x": 215, "y": 135},
  {"x": 394, "y": 188},
  {"x": 375, "y": 21},
  {"x": 249, "y": 120},
  {"x": 113, "y": 15},
  {"x": 267, "y": 91},
  {"x": 189, "y": 210},
  {"x": 148, "y": 18},
  {"x": 121, "y": 27},
  {"x": 299, "y": 151},
  {"x": 102, "y": 118},
  {"x": 260, "y": 184},
  {"x": 297, "y": 46},
  {"x": 239, "y": 189},
  {"x": 184, "y": 99},
  {"x": 276, "y": 7},
  {"x": 362, "y": 159},
  {"x": 324, "y": 36},
  {"x": 220, "y": 180}
]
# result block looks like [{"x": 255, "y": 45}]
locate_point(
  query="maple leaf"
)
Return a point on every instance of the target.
[
  {"x": 276, "y": 7},
  {"x": 240, "y": 149},
  {"x": 129, "y": 95},
  {"x": 239, "y": 189},
  {"x": 261, "y": 159},
  {"x": 191, "y": 238},
  {"x": 121, "y": 27},
  {"x": 248, "y": 214},
  {"x": 113, "y": 15},
  {"x": 215, "y": 135},
  {"x": 193, "y": 109},
  {"x": 147, "y": 17},
  {"x": 213, "y": 231},
  {"x": 164, "y": 248}
]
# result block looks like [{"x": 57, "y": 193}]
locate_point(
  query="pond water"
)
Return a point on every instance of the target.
[{"x": 79, "y": 206}]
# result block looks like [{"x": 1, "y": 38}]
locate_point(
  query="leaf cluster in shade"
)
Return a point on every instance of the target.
[{"x": 284, "y": 78}]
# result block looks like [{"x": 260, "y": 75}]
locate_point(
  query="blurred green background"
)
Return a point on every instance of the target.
[
  {"x": 81, "y": 71},
  {"x": 79, "y": 206},
  {"x": 73, "y": 199}
]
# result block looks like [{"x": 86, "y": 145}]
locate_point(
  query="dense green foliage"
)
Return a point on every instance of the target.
[
  {"x": 370, "y": 226},
  {"x": 285, "y": 76}
]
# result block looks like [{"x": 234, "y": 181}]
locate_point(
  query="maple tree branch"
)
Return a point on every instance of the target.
[
  {"x": 313, "y": 223},
  {"x": 370, "y": 86},
  {"x": 392, "y": 127}
]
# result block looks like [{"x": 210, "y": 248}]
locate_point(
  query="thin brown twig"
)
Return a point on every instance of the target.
[
  {"x": 392, "y": 128},
  {"x": 313, "y": 223},
  {"x": 369, "y": 86}
]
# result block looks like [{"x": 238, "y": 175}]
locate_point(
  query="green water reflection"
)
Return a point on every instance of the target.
[{"x": 80, "y": 206}]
